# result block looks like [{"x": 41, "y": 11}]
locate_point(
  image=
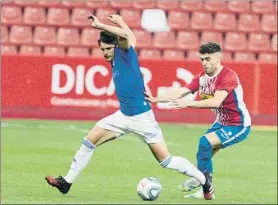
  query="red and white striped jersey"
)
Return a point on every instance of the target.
[{"x": 232, "y": 111}]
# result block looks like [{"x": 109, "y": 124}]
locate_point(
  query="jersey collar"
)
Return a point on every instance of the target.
[{"x": 216, "y": 74}]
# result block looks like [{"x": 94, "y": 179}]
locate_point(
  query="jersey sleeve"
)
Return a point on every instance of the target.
[
  {"x": 228, "y": 82},
  {"x": 194, "y": 84},
  {"x": 131, "y": 51},
  {"x": 125, "y": 53},
  {"x": 132, "y": 54}
]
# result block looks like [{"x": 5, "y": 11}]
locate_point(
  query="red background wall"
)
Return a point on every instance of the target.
[{"x": 27, "y": 81}]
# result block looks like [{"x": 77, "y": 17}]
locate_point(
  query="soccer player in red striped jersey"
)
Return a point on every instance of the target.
[{"x": 220, "y": 90}]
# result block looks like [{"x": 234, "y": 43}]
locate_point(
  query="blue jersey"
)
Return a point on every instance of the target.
[{"x": 129, "y": 82}]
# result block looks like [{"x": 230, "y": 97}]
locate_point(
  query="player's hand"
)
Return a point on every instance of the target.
[
  {"x": 94, "y": 21},
  {"x": 116, "y": 19},
  {"x": 178, "y": 103},
  {"x": 150, "y": 98}
]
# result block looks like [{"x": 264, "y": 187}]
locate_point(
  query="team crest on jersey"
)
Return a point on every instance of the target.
[{"x": 205, "y": 96}]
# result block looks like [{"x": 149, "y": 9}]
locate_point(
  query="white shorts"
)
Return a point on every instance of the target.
[{"x": 143, "y": 125}]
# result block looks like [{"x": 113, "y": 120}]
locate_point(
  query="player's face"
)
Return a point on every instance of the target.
[
  {"x": 107, "y": 50},
  {"x": 210, "y": 62}
]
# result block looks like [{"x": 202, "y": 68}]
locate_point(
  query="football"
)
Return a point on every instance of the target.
[{"x": 149, "y": 189}]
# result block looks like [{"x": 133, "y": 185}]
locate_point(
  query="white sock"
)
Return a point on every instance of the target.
[
  {"x": 183, "y": 166},
  {"x": 80, "y": 160}
]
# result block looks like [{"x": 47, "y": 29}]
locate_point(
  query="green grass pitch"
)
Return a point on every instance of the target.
[{"x": 32, "y": 149}]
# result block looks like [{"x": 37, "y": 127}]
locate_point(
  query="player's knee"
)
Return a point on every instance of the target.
[
  {"x": 92, "y": 138},
  {"x": 204, "y": 149},
  {"x": 96, "y": 135},
  {"x": 95, "y": 138}
]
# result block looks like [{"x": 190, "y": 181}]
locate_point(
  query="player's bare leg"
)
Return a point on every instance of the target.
[
  {"x": 180, "y": 164},
  {"x": 96, "y": 137}
]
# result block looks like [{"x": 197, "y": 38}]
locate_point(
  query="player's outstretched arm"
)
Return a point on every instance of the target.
[
  {"x": 214, "y": 102},
  {"x": 172, "y": 94},
  {"x": 123, "y": 31}
]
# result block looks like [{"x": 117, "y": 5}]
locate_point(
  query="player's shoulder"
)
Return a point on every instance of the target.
[
  {"x": 125, "y": 50},
  {"x": 199, "y": 75},
  {"x": 226, "y": 71}
]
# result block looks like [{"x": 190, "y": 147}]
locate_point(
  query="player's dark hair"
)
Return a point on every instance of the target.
[
  {"x": 209, "y": 47},
  {"x": 108, "y": 38}
]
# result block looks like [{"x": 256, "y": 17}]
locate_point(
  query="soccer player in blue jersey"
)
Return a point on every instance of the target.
[{"x": 135, "y": 115}]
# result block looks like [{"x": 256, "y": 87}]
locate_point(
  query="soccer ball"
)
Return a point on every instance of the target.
[{"x": 149, "y": 189}]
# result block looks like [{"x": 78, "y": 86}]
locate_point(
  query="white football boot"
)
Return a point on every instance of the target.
[
  {"x": 189, "y": 185},
  {"x": 198, "y": 195}
]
